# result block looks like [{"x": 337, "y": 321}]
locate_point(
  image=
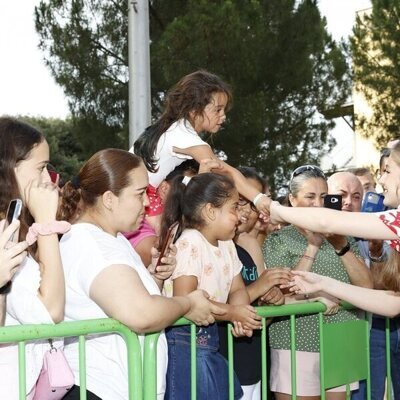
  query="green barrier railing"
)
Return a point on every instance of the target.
[
  {"x": 24, "y": 333},
  {"x": 344, "y": 350},
  {"x": 331, "y": 346}
]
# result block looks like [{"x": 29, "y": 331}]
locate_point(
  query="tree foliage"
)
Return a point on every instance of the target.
[
  {"x": 65, "y": 150},
  {"x": 375, "y": 49},
  {"x": 283, "y": 66}
]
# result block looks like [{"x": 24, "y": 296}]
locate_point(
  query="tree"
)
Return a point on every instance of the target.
[
  {"x": 65, "y": 150},
  {"x": 277, "y": 55},
  {"x": 375, "y": 48}
]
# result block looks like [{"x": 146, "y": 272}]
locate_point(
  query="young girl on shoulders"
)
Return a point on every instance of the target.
[
  {"x": 206, "y": 208},
  {"x": 196, "y": 104}
]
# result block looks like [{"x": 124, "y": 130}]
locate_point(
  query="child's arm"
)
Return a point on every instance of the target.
[
  {"x": 238, "y": 293},
  {"x": 241, "y": 311}
]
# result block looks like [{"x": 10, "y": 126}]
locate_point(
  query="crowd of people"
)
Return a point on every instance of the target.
[{"x": 90, "y": 249}]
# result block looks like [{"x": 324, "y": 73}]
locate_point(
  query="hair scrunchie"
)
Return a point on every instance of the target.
[{"x": 46, "y": 229}]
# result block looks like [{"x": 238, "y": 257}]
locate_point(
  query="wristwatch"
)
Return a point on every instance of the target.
[{"x": 344, "y": 250}]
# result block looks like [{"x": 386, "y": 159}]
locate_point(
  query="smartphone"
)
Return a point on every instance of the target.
[
  {"x": 170, "y": 239},
  {"x": 333, "y": 201},
  {"x": 373, "y": 202},
  {"x": 54, "y": 176},
  {"x": 13, "y": 212}
]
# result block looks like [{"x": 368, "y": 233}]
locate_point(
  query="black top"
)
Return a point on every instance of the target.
[{"x": 246, "y": 351}]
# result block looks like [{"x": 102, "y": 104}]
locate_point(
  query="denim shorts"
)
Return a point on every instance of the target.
[{"x": 212, "y": 367}]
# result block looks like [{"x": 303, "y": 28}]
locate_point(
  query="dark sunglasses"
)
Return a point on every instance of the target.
[{"x": 300, "y": 170}]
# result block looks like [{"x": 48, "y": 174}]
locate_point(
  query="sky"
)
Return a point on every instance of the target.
[{"x": 26, "y": 84}]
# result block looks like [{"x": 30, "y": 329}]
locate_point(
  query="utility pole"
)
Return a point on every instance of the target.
[{"x": 139, "y": 68}]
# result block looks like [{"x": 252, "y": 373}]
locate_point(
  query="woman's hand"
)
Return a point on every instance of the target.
[
  {"x": 332, "y": 304},
  {"x": 313, "y": 239},
  {"x": 41, "y": 198},
  {"x": 11, "y": 254},
  {"x": 304, "y": 282},
  {"x": 201, "y": 310},
  {"x": 167, "y": 266},
  {"x": 210, "y": 165}
]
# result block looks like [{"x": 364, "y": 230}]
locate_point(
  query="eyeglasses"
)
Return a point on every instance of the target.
[
  {"x": 242, "y": 202},
  {"x": 300, "y": 170}
]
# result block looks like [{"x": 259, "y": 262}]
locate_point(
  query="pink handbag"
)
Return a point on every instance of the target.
[{"x": 56, "y": 377}]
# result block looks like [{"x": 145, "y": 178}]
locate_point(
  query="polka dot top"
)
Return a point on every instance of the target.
[{"x": 285, "y": 249}]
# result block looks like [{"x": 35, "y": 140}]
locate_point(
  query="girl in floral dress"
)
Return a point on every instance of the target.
[{"x": 206, "y": 208}]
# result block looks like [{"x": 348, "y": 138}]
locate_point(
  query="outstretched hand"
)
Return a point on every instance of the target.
[{"x": 304, "y": 282}]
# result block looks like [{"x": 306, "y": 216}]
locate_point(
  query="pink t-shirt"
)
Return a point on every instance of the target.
[
  {"x": 213, "y": 266},
  {"x": 144, "y": 231},
  {"x": 391, "y": 219}
]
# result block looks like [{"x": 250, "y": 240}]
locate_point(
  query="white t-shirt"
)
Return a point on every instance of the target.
[
  {"x": 180, "y": 134},
  {"x": 85, "y": 251},
  {"x": 23, "y": 307}
]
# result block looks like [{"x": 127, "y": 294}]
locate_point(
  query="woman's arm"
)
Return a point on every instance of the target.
[
  {"x": 326, "y": 221},
  {"x": 376, "y": 301},
  {"x": 203, "y": 152},
  {"x": 120, "y": 293},
  {"x": 358, "y": 272},
  {"x": 42, "y": 202}
]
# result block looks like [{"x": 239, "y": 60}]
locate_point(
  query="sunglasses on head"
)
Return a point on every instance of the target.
[{"x": 304, "y": 168}]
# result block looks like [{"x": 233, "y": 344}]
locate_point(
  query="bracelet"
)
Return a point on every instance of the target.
[
  {"x": 344, "y": 250},
  {"x": 257, "y": 198},
  {"x": 308, "y": 257},
  {"x": 379, "y": 259},
  {"x": 46, "y": 229}
]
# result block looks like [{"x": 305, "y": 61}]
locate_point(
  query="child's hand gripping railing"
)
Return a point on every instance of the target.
[{"x": 292, "y": 310}]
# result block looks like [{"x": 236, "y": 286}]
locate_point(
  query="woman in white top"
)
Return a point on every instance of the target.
[
  {"x": 37, "y": 292},
  {"x": 106, "y": 277}
]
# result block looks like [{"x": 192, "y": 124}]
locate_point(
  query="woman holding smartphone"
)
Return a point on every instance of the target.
[
  {"x": 384, "y": 226},
  {"x": 106, "y": 277},
  {"x": 37, "y": 292}
]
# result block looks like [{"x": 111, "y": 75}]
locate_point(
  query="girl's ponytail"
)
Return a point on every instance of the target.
[
  {"x": 173, "y": 208},
  {"x": 70, "y": 199}
]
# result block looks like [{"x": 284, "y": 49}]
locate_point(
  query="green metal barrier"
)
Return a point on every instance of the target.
[
  {"x": 23, "y": 333},
  {"x": 327, "y": 338},
  {"x": 344, "y": 350}
]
